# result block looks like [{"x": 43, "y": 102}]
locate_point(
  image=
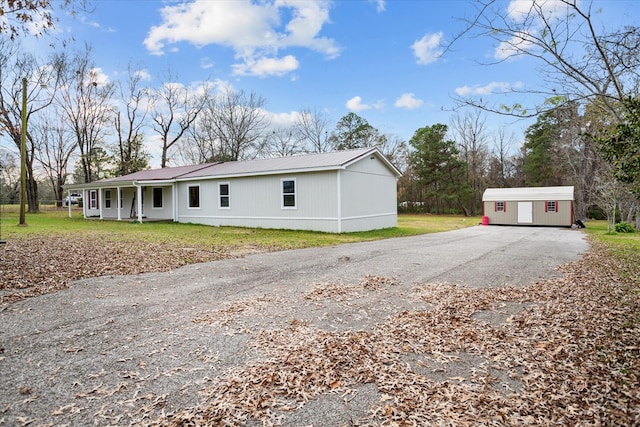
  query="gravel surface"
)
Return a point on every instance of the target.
[{"x": 125, "y": 350}]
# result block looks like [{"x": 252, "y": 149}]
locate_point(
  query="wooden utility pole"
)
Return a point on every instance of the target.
[{"x": 23, "y": 155}]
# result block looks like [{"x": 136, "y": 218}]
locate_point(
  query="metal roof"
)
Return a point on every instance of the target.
[
  {"x": 310, "y": 162},
  {"x": 292, "y": 164},
  {"x": 159, "y": 174},
  {"x": 527, "y": 194}
]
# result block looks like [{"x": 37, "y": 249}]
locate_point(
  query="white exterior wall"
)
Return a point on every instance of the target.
[
  {"x": 128, "y": 194},
  {"x": 165, "y": 212},
  {"x": 257, "y": 202},
  {"x": 368, "y": 196},
  {"x": 86, "y": 203}
]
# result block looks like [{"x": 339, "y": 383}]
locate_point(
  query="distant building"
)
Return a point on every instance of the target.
[{"x": 552, "y": 206}]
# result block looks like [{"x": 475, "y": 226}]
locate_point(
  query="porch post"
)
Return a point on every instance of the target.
[
  {"x": 174, "y": 201},
  {"x": 84, "y": 203},
  {"x": 69, "y": 201},
  {"x": 100, "y": 198},
  {"x": 339, "y": 201},
  {"x": 139, "y": 187},
  {"x": 119, "y": 205}
]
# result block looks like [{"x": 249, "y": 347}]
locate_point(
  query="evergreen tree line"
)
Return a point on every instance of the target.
[{"x": 450, "y": 167}]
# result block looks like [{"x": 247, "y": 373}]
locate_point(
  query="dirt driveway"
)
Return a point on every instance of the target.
[{"x": 237, "y": 340}]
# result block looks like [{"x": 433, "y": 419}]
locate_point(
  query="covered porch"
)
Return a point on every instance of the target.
[{"x": 125, "y": 201}]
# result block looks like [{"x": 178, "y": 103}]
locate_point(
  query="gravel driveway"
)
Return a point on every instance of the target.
[{"x": 121, "y": 350}]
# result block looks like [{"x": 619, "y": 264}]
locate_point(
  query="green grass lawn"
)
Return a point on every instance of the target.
[
  {"x": 625, "y": 247},
  {"x": 51, "y": 221}
]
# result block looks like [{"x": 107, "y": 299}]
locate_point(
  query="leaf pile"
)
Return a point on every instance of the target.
[
  {"x": 564, "y": 351},
  {"x": 32, "y": 266}
]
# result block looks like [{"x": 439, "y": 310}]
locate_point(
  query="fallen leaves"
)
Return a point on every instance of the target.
[
  {"x": 570, "y": 355},
  {"x": 563, "y": 351},
  {"x": 31, "y": 266}
]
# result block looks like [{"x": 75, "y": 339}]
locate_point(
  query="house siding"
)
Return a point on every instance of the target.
[
  {"x": 562, "y": 218},
  {"x": 334, "y": 192},
  {"x": 128, "y": 196},
  {"x": 257, "y": 202},
  {"x": 368, "y": 197}
]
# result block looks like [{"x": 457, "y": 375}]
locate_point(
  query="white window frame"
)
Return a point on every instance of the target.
[
  {"x": 93, "y": 199},
  {"x": 107, "y": 199},
  {"x": 551, "y": 203},
  {"x": 220, "y": 195},
  {"x": 189, "y": 197},
  {"x": 295, "y": 193},
  {"x": 153, "y": 198}
]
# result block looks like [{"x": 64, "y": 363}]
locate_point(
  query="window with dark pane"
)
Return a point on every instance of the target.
[
  {"x": 157, "y": 197},
  {"x": 224, "y": 195},
  {"x": 289, "y": 193},
  {"x": 194, "y": 197}
]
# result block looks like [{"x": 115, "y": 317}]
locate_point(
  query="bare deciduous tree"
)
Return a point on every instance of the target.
[
  {"x": 9, "y": 178},
  {"x": 54, "y": 148},
  {"x": 313, "y": 128},
  {"x": 129, "y": 120},
  {"x": 237, "y": 122},
  {"x": 577, "y": 62},
  {"x": 502, "y": 169},
  {"x": 36, "y": 15},
  {"x": 281, "y": 142},
  {"x": 471, "y": 134},
  {"x": 86, "y": 100},
  {"x": 42, "y": 81},
  {"x": 174, "y": 110}
]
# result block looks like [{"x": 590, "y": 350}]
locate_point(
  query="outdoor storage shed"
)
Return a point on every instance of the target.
[
  {"x": 337, "y": 192},
  {"x": 552, "y": 206}
]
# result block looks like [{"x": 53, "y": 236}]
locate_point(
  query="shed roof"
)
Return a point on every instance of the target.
[
  {"x": 303, "y": 163},
  {"x": 527, "y": 194}
]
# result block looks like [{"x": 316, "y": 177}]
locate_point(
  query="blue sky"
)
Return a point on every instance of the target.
[{"x": 378, "y": 58}]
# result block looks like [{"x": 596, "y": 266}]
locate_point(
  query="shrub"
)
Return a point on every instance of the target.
[{"x": 624, "y": 227}]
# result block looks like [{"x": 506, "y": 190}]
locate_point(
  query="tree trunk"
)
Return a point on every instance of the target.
[
  {"x": 32, "y": 189},
  {"x": 32, "y": 196}
]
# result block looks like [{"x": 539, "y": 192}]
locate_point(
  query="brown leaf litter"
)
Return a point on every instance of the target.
[
  {"x": 569, "y": 356},
  {"x": 35, "y": 265}
]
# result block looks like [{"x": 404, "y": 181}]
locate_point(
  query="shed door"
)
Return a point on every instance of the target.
[{"x": 525, "y": 212}]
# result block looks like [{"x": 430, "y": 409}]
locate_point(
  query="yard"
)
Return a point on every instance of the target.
[
  {"x": 374, "y": 351},
  {"x": 54, "y": 250}
]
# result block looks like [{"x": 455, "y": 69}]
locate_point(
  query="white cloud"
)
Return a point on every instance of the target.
[
  {"x": 534, "y": 15},
  {"x": 381, "y": 5},
  {"x": 428, "y": 49},
  {"x": 408, "y": 101},
  {"x": 88, "y": 22},
  {"x": 516, "y": 45},
  {"x": 356, "y": 104},
  {"x": 282, "y": 120},
  {"x": 143, "y": 74},
  {"x": 206, "y": 63},
  {"x": 521, "y": 10},
  {"x": 488, "y": 89},
  {"x": 264, "y": 67},
  {"x": 98, "y": 77},
  {"x": 254, "y": 31}
]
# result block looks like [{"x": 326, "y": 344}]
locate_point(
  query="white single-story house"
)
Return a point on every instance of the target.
[
  {"x": 552, "y": 206},
  {"x": 336, "y": 192}
]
